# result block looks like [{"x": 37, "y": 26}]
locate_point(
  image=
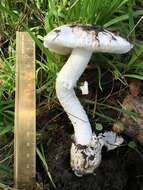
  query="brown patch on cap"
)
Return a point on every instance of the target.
[
  {"x": 88, "y": 27},
  {"x": 94, "y": 28}
]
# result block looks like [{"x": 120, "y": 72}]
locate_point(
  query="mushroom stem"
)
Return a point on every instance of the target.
[{"x": 65, "y": 83}]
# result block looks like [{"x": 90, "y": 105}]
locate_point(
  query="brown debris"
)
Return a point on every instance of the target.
[{"x": 130, "y": 124}]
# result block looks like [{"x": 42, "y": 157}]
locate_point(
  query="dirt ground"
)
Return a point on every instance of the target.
[{"x": 121, "y": 169}]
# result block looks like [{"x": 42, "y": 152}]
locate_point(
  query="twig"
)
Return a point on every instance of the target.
[{"x": 135, "y": 26}]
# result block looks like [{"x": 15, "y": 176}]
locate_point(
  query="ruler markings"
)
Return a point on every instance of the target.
[{"x": 25, "y": 116}]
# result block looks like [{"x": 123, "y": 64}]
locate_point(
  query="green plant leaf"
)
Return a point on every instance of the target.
[
  {"x": 99, "y": 126},
  {"x": 135, "y": 76},
  {"x": 132, "y": 145}
]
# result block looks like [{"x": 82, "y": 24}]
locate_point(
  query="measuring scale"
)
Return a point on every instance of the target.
[{"x": 25, "y": 113}]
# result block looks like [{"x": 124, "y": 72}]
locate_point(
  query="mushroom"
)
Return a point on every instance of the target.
[{"x": 81, "y": 41}]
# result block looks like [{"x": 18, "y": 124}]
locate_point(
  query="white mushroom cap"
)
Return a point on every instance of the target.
[{"x": 96, "y": 39}]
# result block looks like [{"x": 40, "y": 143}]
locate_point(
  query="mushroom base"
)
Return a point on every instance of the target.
[{"x": 86, "y": 158}]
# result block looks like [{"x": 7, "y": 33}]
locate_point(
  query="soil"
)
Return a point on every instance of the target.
[{"x": 121, "y": 169}]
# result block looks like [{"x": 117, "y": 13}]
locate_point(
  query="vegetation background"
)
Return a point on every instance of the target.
[{"x": 108, "y": 74}]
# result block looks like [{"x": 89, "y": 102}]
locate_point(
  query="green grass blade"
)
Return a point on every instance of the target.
[
  {"x": 123, "y": 18},
  {"x": 44, "y": 163}
]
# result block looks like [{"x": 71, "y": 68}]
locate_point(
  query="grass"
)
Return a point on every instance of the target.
[
  {"x": 42, "y": 157},
  {"x": 39, "y": 17}
]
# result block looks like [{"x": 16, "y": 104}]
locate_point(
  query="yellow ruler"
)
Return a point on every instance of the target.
[{"x": 25, "y": 114}]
